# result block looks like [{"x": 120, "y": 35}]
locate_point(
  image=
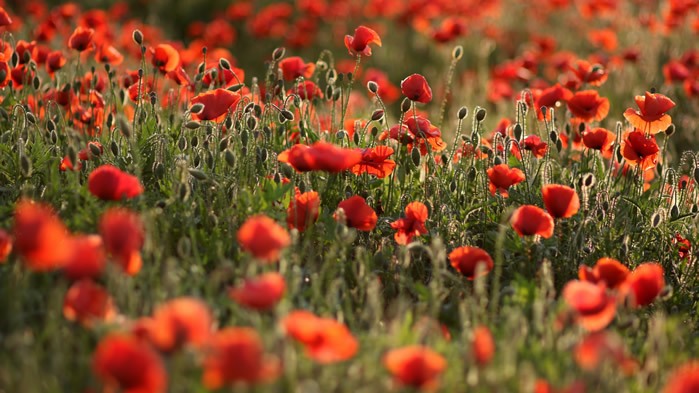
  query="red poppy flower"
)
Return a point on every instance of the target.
[
  {"x": 357, "y": 213},
  {"x": 530, "y": 220},
  {"x": 109, "y": 183},
  {"x": 415, "y": 365},
  {"x": 263, "y": 238},
  {"x": 685, "y": 379},
  {"x": 482, "y": 345},
  {"x": 415, "y": 87},
  {"x": 5, "y": 245},
  {"x": 639, "y": 150},
  {"x": 321, "y": 156},
  {"x": 24, "y": 50},
  {"x": 294, "y": 67},
  {"x": 501, "y": 177},
  {"x": 560, "y": 201},
  {"x": 40, "y": 237},
  {"x": 224, "y": 77},
  {"x": 682, "y": 246},
  {"x": 87, "y": 257},
  {"x": 5, "y": 19},
  {"x": 466, "y": 260},
  {"x": 599, "y": 347},
  {"x": 307, "y": 90},
  {"x": 587, "y": 105},
  {"x": 260, "y": 293},
  {"x": 179, "y": 76},
  {"x": 180, "y": 321},
  {"x": 326, "y": 340},
  {"x": 598, "y": 139},
  {"x": 549, "y": 97},
  {"x": 587, "y": 73},
  {"x": 87, "y": 303},
  {"x": 594, "y": 306},
  {"x": 123, "y": 362},
  {"x": 534, "y": 144},
  {"x": 651, "y": 116},
  {"x": 388, "y": 92},
  {"x": 122, "y": 232},
  {"x": 644, "y": 284},
  {"x": 413, "y": 224},
  {"x": 606, "y": 270},
  {"x": 359, "y": 43},
  {"x": 236, "y": 355},
  {"x": 303, "y": 210},
  {"x": 109, "y": 55},
  {"x": 81, "y": 38},
  {"x": 674, "y": 71},
  {"x": 165, "y": 58},
  {"x": 55, "y": 61},
  {"x": 216, "y": 103},
  {"x": 375, "y": 162}
]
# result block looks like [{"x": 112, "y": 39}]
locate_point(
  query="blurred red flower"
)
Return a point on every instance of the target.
[
  {"x": 599, "y": 139},
  {"x": 263, "y": 238},
  {"x": 644, "y": 284},
  {"x": 87, "y": 257},
  {"x": 375, "y": 162},
  {"x": 607, "y": 270},
  {"x": 326, "y": 340},
  {"x": 357, "y": 213},
  {"x": 259, "y": 293},
  {"x": 109, "y": 183},
  {"x": 483, "y": 345},
  {"x": 303, "y": 210},
  {"x": 415, "y": 365},
  {"x": 413, "y": 224},
  {"x": 87, "y": 303},
  {"x": 40, "y": 236},
  {"x": 530, "y": 220},
  {"x": 165, "y": 58},
  {"x": 466, "y": 260},
  {"x": 216, "y": 103},
  {"x": 124, "y": 362},
  {"x": 594, "y": 306},
  {"x": 294, "y": 67},
  {"x": 181, "y": 321},
  {"x": 122, "y": 232},
  {"x": 81, "y": 38},
  {"x": 5, "y": 245},
  {"x": 321, "y": 156},
  {"x": 684, "y": 379}
]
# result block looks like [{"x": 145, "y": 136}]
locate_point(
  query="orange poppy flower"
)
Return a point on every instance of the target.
[
  {"x": 224, "y": 77},
  {"x": 598, "y": 347},
  {"x": 303, "y": 210},
  {"x": 179, "y": 322},
  {"x": 40, "y": 237},
  {"x": 294, "y": 67},
  {"x": 216, "y": 103},
  {"x": 357, "y": 213},
  {"x": 415, "y": 87},
  {"x": 375, "y": 162},
  {"x": 413, "y": 224},
  {"x": 81, "y": 38},
  {"x": 122, "y": 232},
  {"x": 598, "y": 139},
  {"x": 684, "y": 379},
  {"x": 87, "y": 303},
  {"x": 639, "y": 150},
  {"x": 560, "y": 201},
  {"x": 501, "y": 177},
  {"x": 87, "y": 257},
  {"x": 124, "y": 362},
  {"x": 260, "y": 293},
  {"x": 466, "y": 260},
  {"x": 530, "y": 220},
  {"x": 606, "y": 270},
  {"x": 651, "y": 117},
  {"x": 587, "y": 105},
  {"x": 534, "y": 144},
  {"x": 595, "y": 308},
  {"x": 263, "y": 238},
  {"x": 587, "y": 73},
  {"x": 109, "y": 55},
  {"x": 111, "y": 184},
  {"x": 415, "y": 365},
  {"x": 165, "y": 58},
  {"x": 388, "y": 92},
  {"x": 236, "y": 355},
  {"x": 644, "y": 284},
  {"x": 549, "y": 97},
  {"x": 55, "y": 61},
  {"x": 307, "y": 90},
  {"x": 482, "y": 345},
  {"x": 359, "y": 43},
  {"x": 5, "y": 245},
  {"x": 326, "y": 340},
  {"x": 321, "y": 156}
]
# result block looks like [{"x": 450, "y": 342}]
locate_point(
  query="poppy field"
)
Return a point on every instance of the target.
[{"x": 349, "y": 196}]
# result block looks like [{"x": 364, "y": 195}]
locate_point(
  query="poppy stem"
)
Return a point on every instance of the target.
[{"x": 345, "y": 102}]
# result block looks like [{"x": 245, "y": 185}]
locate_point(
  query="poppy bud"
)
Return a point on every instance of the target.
[
  {"x": 695, "y": 208},
  {"x": 288, "y": 115},
  {"x": 374, "y": 131},
  {"x": 114, "y": 147},
  {"x": 656, "y": 219},
  {"x": 302, "y": 186},
  {"x": 457, "y": 52},
  {"x": 278, "y": 53},
  {"x": 54, "y": 137},
  {"x": 197, "y": 108},
  {"x": 659, "y": 167},
  {"x": 341, "y": 77},
  {"x": 197, "y": 174},
  {"x": 14, "y": 59},
  {"x": 415, "y": 156},
  {"x": 674, "y": 211},
  {"x": 193, "y": 124},
  {"x": 223, "y": 63},
  {"x": 336, "y": 95},
  {"x": 350, "y": 76},
  {"x": 588, "y": 180},
  {"x": 480, "y": 114},
  {"x": 372, "y": 87},
  {"x": 331, "y": 76},
  {"x": 463, "y": 112},
  {"x": 183, "y": 192},
  {"x": 475, "y": 139},
  {"x": 182, "y": 143},
  {"x": 230, "y": 158},
  {"x": 340, "y": 135},
  {"x": 209, "y": 157},
  {"x": 554, "y": 136},
  {"x": 252, "y": 123},
  {"x": 137, "y": 37},
  {"x": 517, "y": 131},
  {"x": 497, "y": 160},
  {"x": 25, "y": 165},
  {"x": 95, "y": 150},
  {"x": 26, "y": 56},
  {"x": 244, "y": 137},
  {"x": 618, "y": 156},
  {"x": 158, "y": 169},
  {"x": 36, "y": 82},
  {"x": 287, "y": 171},
  {"x": 670, "y": 130},
  {"x": 31, "y": 118},
  {"x": 377, "y": 115},
  {"x": 355, "y": 138},
  {"x": 153, "y": 98},
  {"x": 405, "y": 105},
  {"x": 228, "y": 122},
  {"x": 194, "y": 141}
]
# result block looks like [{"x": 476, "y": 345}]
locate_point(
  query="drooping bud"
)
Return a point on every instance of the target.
[{"x": 137, "y": 37}]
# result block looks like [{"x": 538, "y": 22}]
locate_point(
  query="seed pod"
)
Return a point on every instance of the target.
[
  {"x": 340, "y": 135},
  {"x": 517, "y": 131},
  {"x": 36, "y": 82},
  {"x": 197, "y": 174},
  {"x": 372, "y": 87},
  {"x": 674, "y": 211},
  {"x": 31, "y": 118},
  {"x": 670, "y": 130},
  {"x": 656, "y": 219},
  {"x": 288, "y": 115},
  {"x": 114, "y": 147},
  {"x": 223, "y": 63},
  {"x": 405, "y": 105},
  {"x": 230, "y": 158},
  {"x": 554, "y": 136},
  {"x": 457, "y": 52},
  {"x": 244, "y": 137},
  {"x": 278, "y": 53},
  {"x": 480, "y": 114},
  {"x": 377, "y": 115},
  {"x": 197, "y": 108},
  {"x": 463, "y": 112},
  {"x": 194, "y": 141},
  {"x": 137, "y": 37},
  {"x": 415, "y": 156},
  {"x": 182, "y": 143}
]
